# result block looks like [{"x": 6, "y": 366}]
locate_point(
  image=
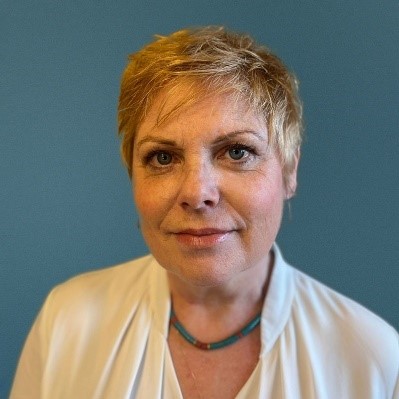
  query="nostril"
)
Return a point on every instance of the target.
[
  {"x": 199, "y": 189},
  {"x": 198, "y": 204},
  {"x": 199, "y": 200}
]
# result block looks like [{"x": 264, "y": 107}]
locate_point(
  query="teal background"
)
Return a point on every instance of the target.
[{"x": 66, "y": 205}]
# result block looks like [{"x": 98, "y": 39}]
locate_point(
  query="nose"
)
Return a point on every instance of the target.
[{"x": 199, "y": 187}]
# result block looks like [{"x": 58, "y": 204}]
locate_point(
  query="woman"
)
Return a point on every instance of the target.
[{"x": 211, "y": 133}]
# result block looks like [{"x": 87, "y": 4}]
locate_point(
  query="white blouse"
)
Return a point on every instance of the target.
[{"x": 103, "y": 335}]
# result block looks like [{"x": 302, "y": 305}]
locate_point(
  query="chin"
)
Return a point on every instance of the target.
[
  {"x": 208, "y": 274},
  {"x": 202, "y": 281},
  {"x": 206, "y": 280}
]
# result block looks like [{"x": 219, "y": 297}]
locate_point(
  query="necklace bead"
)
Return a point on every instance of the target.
[{"x": 217, "y": 344}]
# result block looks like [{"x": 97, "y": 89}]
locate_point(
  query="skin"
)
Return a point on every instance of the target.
[
  {"x": 209, "y": 219},
  {"x": 209, "y": 192}
]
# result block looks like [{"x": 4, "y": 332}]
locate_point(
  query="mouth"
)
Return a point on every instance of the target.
[{"x": 202, "y": 238}]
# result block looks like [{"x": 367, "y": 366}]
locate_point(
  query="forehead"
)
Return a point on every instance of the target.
[{"x": 187, "y": 109}]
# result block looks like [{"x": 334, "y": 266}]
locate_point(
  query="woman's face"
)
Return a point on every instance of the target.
[{"x": 208, "y": 189}]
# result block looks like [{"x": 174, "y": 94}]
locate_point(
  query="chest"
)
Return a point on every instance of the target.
[{"x": 213, "y": 374}]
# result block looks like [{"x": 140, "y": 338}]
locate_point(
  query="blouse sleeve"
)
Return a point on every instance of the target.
[
  {"x": 396, "y": 390},
  {"x": 28, "y": 380}
]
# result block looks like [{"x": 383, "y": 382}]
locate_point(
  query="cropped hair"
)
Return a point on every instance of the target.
[{"x": 212, "y": 60}]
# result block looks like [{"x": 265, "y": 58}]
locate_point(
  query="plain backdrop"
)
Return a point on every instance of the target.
[{"x": 66, "y": 204}]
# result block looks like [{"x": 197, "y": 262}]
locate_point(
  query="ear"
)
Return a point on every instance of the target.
[{"x": 291, "y": 178}]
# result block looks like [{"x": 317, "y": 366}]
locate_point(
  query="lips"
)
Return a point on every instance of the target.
[
  {"x": 203, "y": 232},
  {"x": 202, "y": 238}
]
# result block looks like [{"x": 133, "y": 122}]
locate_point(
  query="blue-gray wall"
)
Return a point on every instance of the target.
[{"x": 65, "y": 204}]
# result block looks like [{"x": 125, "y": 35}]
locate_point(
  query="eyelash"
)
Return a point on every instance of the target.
[
  {"x": 241, "y": 146},
  {"x": 237, "y": 145},
  {"x": 150, "y": 156}
]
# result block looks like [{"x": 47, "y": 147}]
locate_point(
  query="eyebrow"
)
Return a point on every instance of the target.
[
  {"x": 156, "y": 139},
  {"x": 231, "y": 135},
  {"x": 221, "y": 139}
]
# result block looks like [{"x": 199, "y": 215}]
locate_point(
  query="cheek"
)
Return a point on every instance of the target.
[
  {"x": 266, "y": 207},
  {"x": 145, "y": 203},
  {"x": 143, "y": 199},
  {"x": 262, "y": 206},
  {"x": 151, "y": 199},
  {"x": 265, "y": 215},
  {"x": 261, "y": 192}
]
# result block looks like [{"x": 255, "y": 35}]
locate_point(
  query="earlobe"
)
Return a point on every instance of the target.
[
  {"x": 290, "y": 190},
  {"x": 291, "y": 180}
]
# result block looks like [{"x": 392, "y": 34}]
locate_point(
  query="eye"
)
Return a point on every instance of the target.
[
  {"x": 237, "y": 153},
  {"x": 158, "y": 159},
  {"x": 163, "y": 158}
]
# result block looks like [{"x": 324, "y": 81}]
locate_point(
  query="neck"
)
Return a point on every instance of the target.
[{"x": 211, "y": 312}]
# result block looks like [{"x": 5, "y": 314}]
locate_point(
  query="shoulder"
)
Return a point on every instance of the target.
[
  {"x": 98, "y": 281},
  {"x": 329, "y": 305},
  {"x": 127, "y": 271},
  {"x": 350, "y": 330},
  {"x": 100, "y": 291}
]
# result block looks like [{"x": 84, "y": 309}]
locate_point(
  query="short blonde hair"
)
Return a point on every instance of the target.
[{"x": 213, "y": 60}]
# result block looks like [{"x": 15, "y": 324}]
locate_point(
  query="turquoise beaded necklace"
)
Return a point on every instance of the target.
[{"x": 213, "y": 345}]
